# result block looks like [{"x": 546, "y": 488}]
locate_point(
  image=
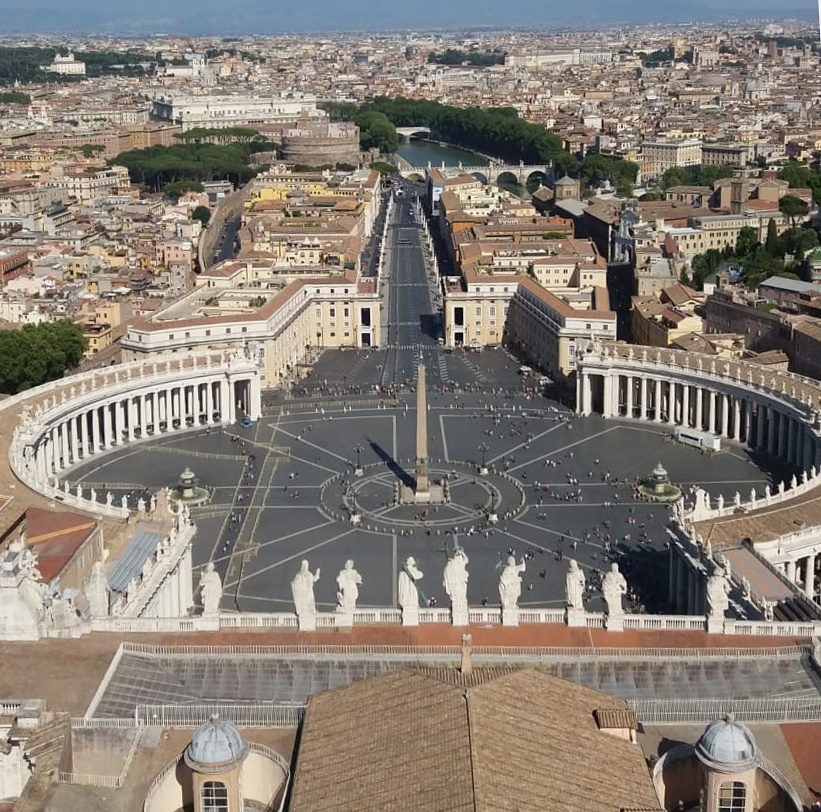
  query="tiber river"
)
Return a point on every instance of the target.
[{"x": 419, "y": 153}]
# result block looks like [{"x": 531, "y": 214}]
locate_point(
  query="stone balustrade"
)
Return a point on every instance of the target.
[
  {"x": 705, "y": 509},
  {"x": 69, "y": 421},
  {"x": 776, "y": 413}
]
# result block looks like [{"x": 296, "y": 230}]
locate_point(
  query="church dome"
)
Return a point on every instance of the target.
[
  {"x": 215, "y": 746},
  {"x": 728, "y": 746}
]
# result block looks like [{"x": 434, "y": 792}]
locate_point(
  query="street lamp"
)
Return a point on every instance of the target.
[
  {"x": 358, "y": 450},
  {"x": 483, "y": 449}
]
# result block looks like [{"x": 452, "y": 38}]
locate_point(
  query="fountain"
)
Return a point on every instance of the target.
[
  {"x": 187, "y": 491},
  {"x": 657, "y": 486}
]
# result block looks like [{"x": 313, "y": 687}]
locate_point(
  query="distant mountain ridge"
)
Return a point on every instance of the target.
[{"x": 217, "y": 17}]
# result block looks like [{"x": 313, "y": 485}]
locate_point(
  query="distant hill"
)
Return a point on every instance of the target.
[{"x": 262, "y": 16}]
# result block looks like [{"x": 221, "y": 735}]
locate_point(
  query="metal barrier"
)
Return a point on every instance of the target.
[
  {"x": 251, "y": 714},
  {"x": 762, "y": 709},
  {"x": 489, "y": 652}
]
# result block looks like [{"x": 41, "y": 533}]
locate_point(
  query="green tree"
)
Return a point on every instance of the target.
[
  {"x": 793, "y": 207},
  {"x": 181, "y": 187},
  {"x": 90, "y": 150},
  {"x": 203, "y": 214},
  {"x": 376, "y": 130},
  {"x": 384, "y": 168},
  {"x": 746, "y": 242},
  {"x": 771, "y": 243},
  {"x": 38, "y": 354},
  {"x": 674, "y": 176}
]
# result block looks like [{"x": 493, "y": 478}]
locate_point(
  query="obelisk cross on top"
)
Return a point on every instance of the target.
[{"x": 422, "y": 491}]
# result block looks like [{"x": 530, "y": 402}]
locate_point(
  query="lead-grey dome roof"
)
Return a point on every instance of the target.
[
  {"x": 728, "y": 746},
  {"x": 215, "y": 746}
]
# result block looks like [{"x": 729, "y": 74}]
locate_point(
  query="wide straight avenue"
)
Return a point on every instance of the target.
[{"x": 410, "y": 318}]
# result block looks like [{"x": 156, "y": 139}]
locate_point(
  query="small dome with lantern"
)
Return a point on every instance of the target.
[
  {"x": 215, "y": 747},
  {"x": 728, "y": 746}
]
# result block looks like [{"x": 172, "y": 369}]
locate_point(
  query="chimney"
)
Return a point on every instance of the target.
[{"x": 466, "y": 665}]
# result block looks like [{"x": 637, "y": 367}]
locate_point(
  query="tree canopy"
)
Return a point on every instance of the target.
[
  {"x": 39, "y": 353},
  {"x": 157, "y": 166},
  {"x": 202, "y": 213},
  {"x": 455, "y": 56},
  {"x": 800, "y": 176}
]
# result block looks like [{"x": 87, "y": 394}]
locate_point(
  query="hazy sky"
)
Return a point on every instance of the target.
[{"x": 271, "y": 16}]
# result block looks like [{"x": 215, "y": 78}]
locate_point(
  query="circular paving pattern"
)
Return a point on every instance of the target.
[{"x": 476, "y": 501}]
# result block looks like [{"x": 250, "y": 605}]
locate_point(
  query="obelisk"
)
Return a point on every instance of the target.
[{"x": 422, "y": 490}]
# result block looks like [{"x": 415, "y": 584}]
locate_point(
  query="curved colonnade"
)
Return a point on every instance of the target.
[
  {"x": 773, "y": 413},
  {"x": 67, "y": 422},
  {"x": 776, "y": 413}
]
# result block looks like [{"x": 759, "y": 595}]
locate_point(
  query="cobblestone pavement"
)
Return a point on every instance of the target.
[{"x": 279, "y": 491}]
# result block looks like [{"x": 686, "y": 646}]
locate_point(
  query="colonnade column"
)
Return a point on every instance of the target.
[
  {"x": 685, "y": 405},
  {"x": 63, "y": 430},
  {"x": 209, "y": 402},
  {"x": 643, "y": 407},
  {"x": 107, "y": 430},
  {"x": 791, "y": 571},
  {"x": 771, "y": 429},
  {"x": 736, "y": 419},
  {"x": 712, "y": 423},
  {"x": 699, "y": 421},
  {"x": 748, "y": 423},
  {"x": 95, "y": 430},
  {"x": 809, "y": 577},
  {"x": 255, "y": 398},
  {"x": 783, "y": 428},
  {"x": 761, "y": 425},
  {"x": 629, "y": 380},
  {"x": 657, "y": 403}
]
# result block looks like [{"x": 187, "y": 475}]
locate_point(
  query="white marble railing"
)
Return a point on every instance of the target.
[
  {"x": 706, "y": 509},
  {"x": 87, "y": 390},
  {"x": 790, "y": 544},
  {"x": 799, "y": 394},
  {"x": 666, "y": 622}
]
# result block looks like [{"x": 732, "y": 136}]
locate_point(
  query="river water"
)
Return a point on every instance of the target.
[{"x": 421, "y": 152}]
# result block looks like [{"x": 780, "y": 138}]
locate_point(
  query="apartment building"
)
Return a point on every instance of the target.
[{"x": 663, "y": 154}]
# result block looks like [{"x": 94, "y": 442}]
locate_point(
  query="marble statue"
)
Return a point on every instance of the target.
[
  {"x": 409, "y": 576},
  {"x": 746, "y": 588},
  {"x": 510, "y": 583},
  {"x": 302, "y": 589},
  {"x": 718, "y": 590},
  {"x": 613, "y": 587},
  {"x": 348, "y": 582},
  {"x": 768, "y": 607},
  {"x": 97, "y": 591},
  {"x": 574, "y": 586},
  {"x": 211, "y": 590},
  {"x": 109, "y": 499},
  {"x": 725, "y": 565},
  {"x": 456, "y": 585}
]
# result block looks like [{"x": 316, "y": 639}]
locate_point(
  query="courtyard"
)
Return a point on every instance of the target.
[{"x": 562, "y": 487}]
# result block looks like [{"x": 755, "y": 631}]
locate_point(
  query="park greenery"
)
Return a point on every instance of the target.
[
  {"x": 37, "y": 354},
  {"x": 477, "y": 59},
  {"x": 14, "y": 97},
  {"x": 26, "y": 63},
  {"x": 494, "y": 131},
  {"x": 695, "y": 175},
  {"x": 384, "y": 168},
  {"x": 800, "y": 176},
  {"x": 778, "y": 255},
  {"x": 156, "y": 167},
  {"x": 201, "y": 213}
]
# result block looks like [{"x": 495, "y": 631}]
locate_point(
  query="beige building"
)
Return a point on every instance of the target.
[
  {"x": 285, "y": 326},
  {"x": 547, "y": 329},
  {"x": 664, "y": 154}
]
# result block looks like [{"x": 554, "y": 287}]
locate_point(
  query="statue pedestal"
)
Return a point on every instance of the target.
[
  {"x": 344, "y": 620},
  {"x": 510, "y": 617},
  {"x": 576, "y": 618},
  {"x": 358, "y": 471},
  {"x": 307, "y": 623},
  {"x": 410, "y": 617},
  {"x": 459, "y": 617},
  {"x": 614, "y": 623},
  {"x": 483, "y": 470},
  {"x": 715, "y": 624}
]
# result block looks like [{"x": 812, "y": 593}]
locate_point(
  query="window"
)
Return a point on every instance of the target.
[
  {"x": 732, "y": 797},
  {"x": 214, "y": 797},
  {"x": 333, "y": 312}
]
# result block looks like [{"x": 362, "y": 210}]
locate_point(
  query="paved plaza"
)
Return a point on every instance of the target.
[{"x": 284, "y": 489}]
